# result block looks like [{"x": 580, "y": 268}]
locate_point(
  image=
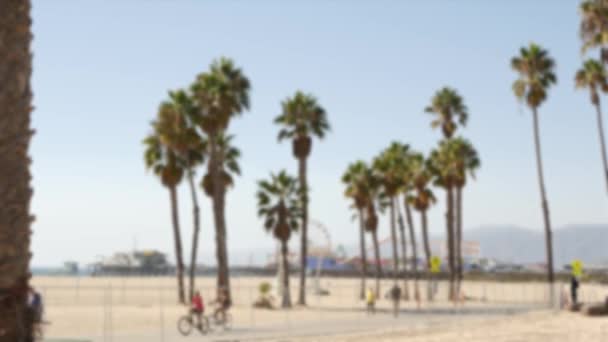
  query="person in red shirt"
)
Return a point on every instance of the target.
[{"x": 198, "y": 307}]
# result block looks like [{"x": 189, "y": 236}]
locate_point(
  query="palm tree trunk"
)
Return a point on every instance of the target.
[
  {"x": 450, "y": 239},
  {"x": 544, "y": 203},
  {"x": 378, "y": 261},
  {"x": 394, "y": 242},
  {"x": 410, "y": 224},
  {"x": 363, "y": 253},
  {"x": 459, "y": 260},
  {"x": 15, "y": 190},
  {"x": 427, "y": 252},
  {"x": 177, "y": 238},
  {"x": 195, "y": 232},
  {"x": 600, "y": 127},
  {"x": 406, "y": 289},
  {"x": 304, "y": 236},
  {"x": 223, "y": 272},
  {"x": 286, "y": 298}
]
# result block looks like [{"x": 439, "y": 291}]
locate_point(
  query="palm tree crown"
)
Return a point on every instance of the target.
[
  {"x": 592, "y": 76},
  {"x": 220, "y": 94},
  {"x": 177, "y": 131},
  {"x": 536, "y": 75},
  {"x": 467, "y": 160},
  {"x": 278, "y": 204},
  {"x": 355, "y": 179},
  {"x": 162, "y": 161},
  {"x": 444, "y": 164},
  {"x": 390, "y": 166},
  {"x": 229, "y": 167},
  {"x": 594, "y": 24},
  {"x": 302, "y": 117},
  {"x": 448, "y": 107},
  {"x": 421, "y": 178}
]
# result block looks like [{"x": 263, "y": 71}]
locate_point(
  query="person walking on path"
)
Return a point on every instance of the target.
[
  {"x": 370, "y": 299},
  {"x": 396, "y": 298},
  {"x": 574, "y": 290}
]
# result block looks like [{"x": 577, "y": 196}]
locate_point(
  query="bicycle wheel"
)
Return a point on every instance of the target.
[
  {"x": 184, "y": 325},
  {"x": 205, "y": 325},
  {"x": 227, "y": 324}
]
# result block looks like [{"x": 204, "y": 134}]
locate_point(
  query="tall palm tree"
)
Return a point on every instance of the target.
[
  {"x": 448, "y": 106},
  {"x": 301, "y": 118},
  {"x": 371, "y": 225},
  {"x": 594, "y": 26},
  {"x": 467, "y": 163},
  {"x": 402, "y": 238},
  {"x": 354, "y": 178},
  {"x": 593, "y": 76},
  {"x": 278, "y": 205},
  {"x": 15, "y": 190},
  {"x": 180, "y": 134},
  {"x": 219, "y": 95},
  {"x": 422, "y": 200},
  {"x": 167, "y": 166},
  {"x": 410, "y": 160},
  {"x": 388, "y": 167},
  {"x": 535, "y": 72},
  {"x": 443, "y": 164},
  {"x": 449, "y": 111}
]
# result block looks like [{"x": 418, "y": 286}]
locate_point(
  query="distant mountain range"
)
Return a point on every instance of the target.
[
  {"x": 508, "y": 243},
  {"x": 587, "y": 242}
]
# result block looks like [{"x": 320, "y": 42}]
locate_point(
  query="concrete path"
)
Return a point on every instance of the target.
[{"x": 383, "y": 321}]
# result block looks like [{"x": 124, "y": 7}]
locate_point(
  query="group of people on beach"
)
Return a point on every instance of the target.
[{"x": 394, "y": 294}]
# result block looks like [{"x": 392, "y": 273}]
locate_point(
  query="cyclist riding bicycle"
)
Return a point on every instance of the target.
[
  {"x": 198, "y": 307},
  {"x": 223, "y": 304}
]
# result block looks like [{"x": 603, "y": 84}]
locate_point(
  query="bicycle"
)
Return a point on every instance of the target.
[
  {"x": 225, "y": 321},
  {"x": 189, "y": 321}
]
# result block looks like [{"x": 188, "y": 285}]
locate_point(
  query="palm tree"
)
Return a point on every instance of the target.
[
  {"x": 593, "y": 76},
  {"x": 401, "y": 224},
  {"x": 594, "y": 26},
  {"x": 422, "y": 201},
  {"x": 15, "y": 190},
  {"x": 354, "y": 178},
  {"x": 388, "y": 167},
  {"x": 181, "y": 135},
  {"x": 447, "y": 106},
  {"x": 167, "y": 166},
  {"x": 301, "y": 118},
  {"x": 410, "y": 160},
  {"x": 535, "y": 72},
  {"x": 278, "y": 205},
  {"x": 371, "y": 224},
  {"x": 443, "y": 165},
  {"x": 467, "y": 163},
  {"x": 219, "y": 95}
]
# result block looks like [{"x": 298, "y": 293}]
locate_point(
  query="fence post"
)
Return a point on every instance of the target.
[
  {"x": 77, "y": 285},
  {"x": 251, "y": 308},
  {"x": 162, "y": 314},
  {"x": 104, "y": 329},
  {"x": 111, "y": 330}
]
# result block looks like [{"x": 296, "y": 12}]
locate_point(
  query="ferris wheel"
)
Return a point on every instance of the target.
[
  {"x": 324, "y": 232},
  {"x": 328, "y": 248}
]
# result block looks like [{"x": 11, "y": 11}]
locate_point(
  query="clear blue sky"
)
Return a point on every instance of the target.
[{"x": 102, "y": 67}]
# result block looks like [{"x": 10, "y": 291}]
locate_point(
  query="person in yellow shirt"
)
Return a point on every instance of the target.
[{"x": 370, "y": 299}]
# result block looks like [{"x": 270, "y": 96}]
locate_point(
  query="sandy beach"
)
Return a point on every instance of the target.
[{"x": 146, "y": 309}]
